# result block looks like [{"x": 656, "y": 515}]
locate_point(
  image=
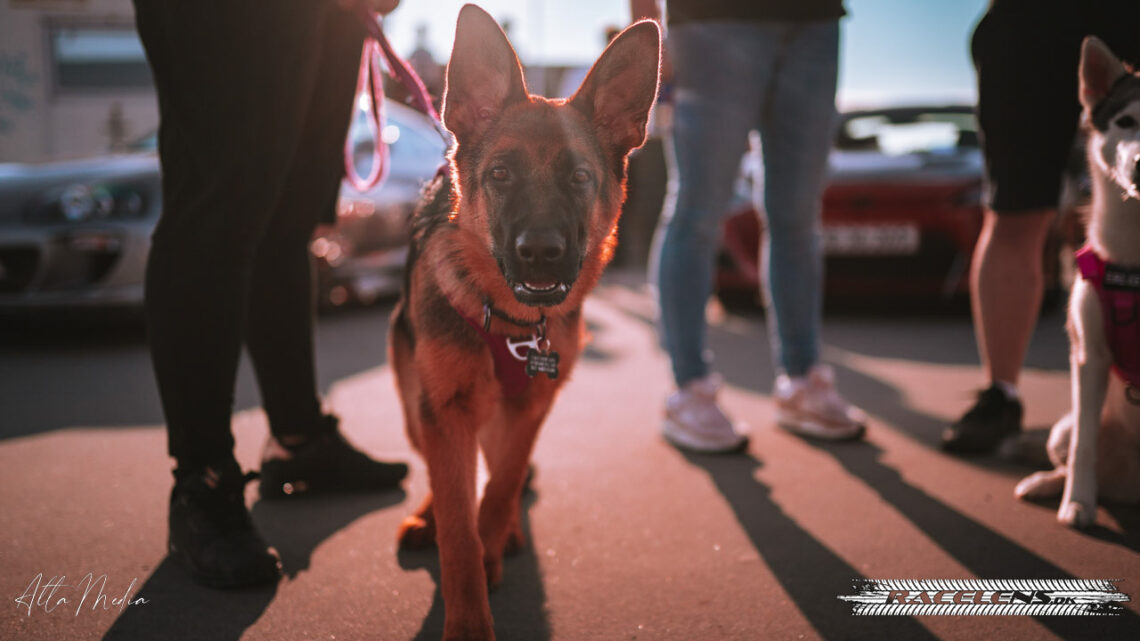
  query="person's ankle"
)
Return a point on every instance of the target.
[
  {"x": 186, "y": 468},
  {"x": 282, "y": 447},
  {"x": 276, "y": 450},
  {"x": 1009, "y": 389}
]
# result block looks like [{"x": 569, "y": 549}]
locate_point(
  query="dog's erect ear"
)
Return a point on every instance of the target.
[
  {"x": 483, "y": 77},
  {"x": 621, "y": 87},
  {"x": 1099, "y": 69}
]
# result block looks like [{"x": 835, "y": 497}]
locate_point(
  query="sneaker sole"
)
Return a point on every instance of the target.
[
  {"x": 1005, "y": 447},
  {"x": 816, "y": 430},
  {"x": 265, "y": 575},
  {"x": 678, "y": 437}
]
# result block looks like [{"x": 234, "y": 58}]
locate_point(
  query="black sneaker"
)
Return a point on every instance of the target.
[
  {"x": 994, "y": 418},
  {"x": 211, "y": 532},
  {"x": 327, "y": 463}
]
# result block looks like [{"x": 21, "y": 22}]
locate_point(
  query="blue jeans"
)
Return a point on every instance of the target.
[{"x": 732, "y": 78}]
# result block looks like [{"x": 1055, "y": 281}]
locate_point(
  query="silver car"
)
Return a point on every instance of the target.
[{"x": 76, "y": 234}]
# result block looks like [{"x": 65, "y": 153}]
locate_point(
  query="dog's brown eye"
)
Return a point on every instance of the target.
[
  {"x": 1126, "y": 122},
  {"x": 580, "y": 177},
  {"x": 500, "y": 173}
]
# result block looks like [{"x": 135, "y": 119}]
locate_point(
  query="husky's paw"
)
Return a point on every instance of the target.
[
  {"x": 1040, "y": 485},
  {"x": 416, "y": 533},
  {"x": 1076, "y": 514}
]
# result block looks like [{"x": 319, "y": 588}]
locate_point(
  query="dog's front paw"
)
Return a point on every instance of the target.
[
  {"x": 1076, "y": 514},
  {"x": 1040, "y": 485},
  {"x": 416, "y": 533}
]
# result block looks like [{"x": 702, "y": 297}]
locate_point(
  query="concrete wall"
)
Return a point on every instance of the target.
[{"x": 38, "y": 119}]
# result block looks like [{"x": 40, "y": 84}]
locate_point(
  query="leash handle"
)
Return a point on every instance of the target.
[
  {"x": 369, "y": 80},
  {"x": 400, "y": 70},
  {"x": 369, "y": 83}
]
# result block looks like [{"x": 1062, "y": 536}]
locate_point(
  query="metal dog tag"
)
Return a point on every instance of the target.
[{"x": 542, "y": 362}]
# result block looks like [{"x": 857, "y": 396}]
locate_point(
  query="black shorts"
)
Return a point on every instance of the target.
[{"x": 1026, "y": 53}]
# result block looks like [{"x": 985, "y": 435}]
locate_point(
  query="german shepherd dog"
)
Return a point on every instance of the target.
[
  {"x": 1096, "y": 447},
  {"x": 506, "y": 245}
]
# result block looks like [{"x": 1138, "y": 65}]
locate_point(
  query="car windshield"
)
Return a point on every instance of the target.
[
  {"x": 148, "y": 142},
  {"x": 909, "y": 131}
]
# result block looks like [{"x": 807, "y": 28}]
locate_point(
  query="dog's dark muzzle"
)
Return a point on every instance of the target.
[{"x": 542, "y": 266}]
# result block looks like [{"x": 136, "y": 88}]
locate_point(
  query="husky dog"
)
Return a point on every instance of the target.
[{"x": 1096, "y": 447}]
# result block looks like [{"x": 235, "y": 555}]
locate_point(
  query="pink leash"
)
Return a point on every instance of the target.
[{"x": 370, "y": 81}]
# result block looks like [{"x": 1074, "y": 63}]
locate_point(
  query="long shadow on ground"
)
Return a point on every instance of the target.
[
  {"x": 811, "y": 574},
  {"x": 79, "y": 372},
  {"x": 179, "y": 609},
  {"x": 986, "y": 553}
]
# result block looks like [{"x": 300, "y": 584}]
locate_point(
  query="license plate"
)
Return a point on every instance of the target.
[{"x": 870, "y": 240}]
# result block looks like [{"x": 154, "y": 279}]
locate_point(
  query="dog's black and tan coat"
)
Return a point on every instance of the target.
[{"x": 506, "y": 246}]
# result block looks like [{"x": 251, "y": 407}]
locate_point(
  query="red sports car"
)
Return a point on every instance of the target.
[{"x": 901, "y": 213}]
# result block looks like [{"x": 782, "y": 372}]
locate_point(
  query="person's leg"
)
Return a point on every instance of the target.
[
  {"x": 281, "y": 305},
  {"x": 228, "y": 131},
  {"x": 306, "y": 452},
  {"x": 797, "y": 132},
  {"x": 1007, "y": 284},
  {"x": 716, "y": 103},
  {"x": 717, "y": 99},
  {"x": 1026, "y": 63}
]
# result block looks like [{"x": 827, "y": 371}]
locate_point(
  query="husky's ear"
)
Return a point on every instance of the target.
[
  {"x": 622, "y": 85},
  {"x": 1099, "y": 69},
  {"x": 483, "y": 76}
]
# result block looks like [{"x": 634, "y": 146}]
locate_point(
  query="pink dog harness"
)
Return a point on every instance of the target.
[
  {"x": 510, "y": 358},
  {"x": 517, "y": 360},
  {"x": 1119, "y": 291}
]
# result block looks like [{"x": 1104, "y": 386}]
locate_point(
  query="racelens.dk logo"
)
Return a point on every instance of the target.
[{"x": 966, "y": 597}]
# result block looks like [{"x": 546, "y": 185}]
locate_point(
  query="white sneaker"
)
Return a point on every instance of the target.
[
  {"x": 810, "y": 406},
  {"x": 695, "y": 422}
]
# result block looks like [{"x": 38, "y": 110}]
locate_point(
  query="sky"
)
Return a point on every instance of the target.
[{"x": 892, "y": 50}]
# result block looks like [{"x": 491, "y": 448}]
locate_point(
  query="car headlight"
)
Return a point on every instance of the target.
[
  {"x": 81, "y": 202},
  {"x": 86, "y": 202}
]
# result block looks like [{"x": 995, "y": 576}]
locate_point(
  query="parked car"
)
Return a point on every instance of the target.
[
  {"x": 362, "y": 258},
  {"x": 901, "y": 213},
  {"x": 76, "y": 234}
]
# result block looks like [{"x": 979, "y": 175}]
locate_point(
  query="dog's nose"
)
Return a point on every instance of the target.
[{"x": 539, "y": 247}]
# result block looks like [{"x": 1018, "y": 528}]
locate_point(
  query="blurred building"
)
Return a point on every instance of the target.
[{"x": 73, "y": 79}]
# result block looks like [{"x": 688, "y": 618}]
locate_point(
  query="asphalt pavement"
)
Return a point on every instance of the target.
[{"x": 628, "y": 537}]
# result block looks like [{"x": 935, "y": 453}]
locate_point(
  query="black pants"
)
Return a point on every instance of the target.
[{"x": 254, "y": 99}]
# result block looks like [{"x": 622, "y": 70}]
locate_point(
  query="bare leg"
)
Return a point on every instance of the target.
[{"x": 1006, "y": 284}]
